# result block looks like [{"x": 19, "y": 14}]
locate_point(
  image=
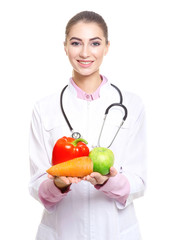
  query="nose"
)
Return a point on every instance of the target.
[{"x": 84, "y": 53}]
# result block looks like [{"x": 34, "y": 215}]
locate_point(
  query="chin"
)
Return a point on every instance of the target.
[{"x": 86, "y": 72}]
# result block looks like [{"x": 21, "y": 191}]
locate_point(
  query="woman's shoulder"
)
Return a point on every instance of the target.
[
  {"x": 132, "y": 98},
  {"x": 47, "y": 100},
  {"x": 129, "y": 98},
  {"x": 134, "y": 104},
  {"x": 47, "y": 104}
]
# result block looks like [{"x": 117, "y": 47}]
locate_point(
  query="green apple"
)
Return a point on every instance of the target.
[{"x": 103, "y": 159}]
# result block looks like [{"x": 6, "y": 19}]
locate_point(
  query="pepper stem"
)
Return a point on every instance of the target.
[{"x": 79, "y": 140}]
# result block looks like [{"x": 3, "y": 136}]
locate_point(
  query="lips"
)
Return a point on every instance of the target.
[{"x": 84, "y": 63}]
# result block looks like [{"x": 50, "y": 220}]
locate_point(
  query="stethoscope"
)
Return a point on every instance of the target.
[{"x": 120, "y": 104}]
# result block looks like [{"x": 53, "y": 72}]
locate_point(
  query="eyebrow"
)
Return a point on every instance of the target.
[{"x": 91, "y": 39}]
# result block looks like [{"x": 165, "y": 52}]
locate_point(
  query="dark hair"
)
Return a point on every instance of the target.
[{"x": 87, "y": 17}]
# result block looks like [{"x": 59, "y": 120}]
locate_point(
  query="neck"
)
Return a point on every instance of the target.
[{"x": 87, "y": 83}]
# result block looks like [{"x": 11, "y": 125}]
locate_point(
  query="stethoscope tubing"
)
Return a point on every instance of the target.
[
  {"x": 120, "y": 104},
  {"x": 119, "y": 92},
  {"x": 106, "y": 114},
  {"x": 62, "y": 109}
]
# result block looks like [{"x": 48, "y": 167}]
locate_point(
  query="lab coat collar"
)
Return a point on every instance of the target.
[{"x": 102, "y": 91}]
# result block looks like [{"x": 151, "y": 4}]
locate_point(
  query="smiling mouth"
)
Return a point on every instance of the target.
[{"x": 84, "y": 63}]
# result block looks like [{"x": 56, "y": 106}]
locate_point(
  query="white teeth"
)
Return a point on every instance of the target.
[{"x": 85, "y": 63}]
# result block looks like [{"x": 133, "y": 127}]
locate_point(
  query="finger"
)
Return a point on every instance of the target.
[
  {"x": 100, "y": 179},
  {"x": 96, "y": 176},
  {"x": 85, "y": 178},
  {"x": 91, "y": 180},
  {"x": 50, "y": 176},
  {"x": 113, "y": 172},
  {"x": 64, "y": 179},
  {"x": 73, "y": 179},
  {"x": 77, "y": 180}
]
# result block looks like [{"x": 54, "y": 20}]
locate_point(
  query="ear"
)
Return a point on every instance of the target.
[
  {"x": 65, "y": 48},
  {"x": 107, "y": 48}
]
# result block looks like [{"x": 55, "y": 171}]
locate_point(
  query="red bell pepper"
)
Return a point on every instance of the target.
[{"x": 67, "y": 148}]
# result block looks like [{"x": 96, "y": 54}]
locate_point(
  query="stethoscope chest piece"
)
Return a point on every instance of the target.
[{"x": 76, "y": 135}]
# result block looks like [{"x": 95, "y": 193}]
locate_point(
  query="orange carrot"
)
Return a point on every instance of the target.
[{"x": 77, "y": 167}]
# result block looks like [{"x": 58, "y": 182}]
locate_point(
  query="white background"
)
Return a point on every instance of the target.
[{"x": 33, "y": 64}]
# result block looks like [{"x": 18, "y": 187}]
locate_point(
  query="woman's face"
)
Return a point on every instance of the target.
[{"x": 86, "y": 46}]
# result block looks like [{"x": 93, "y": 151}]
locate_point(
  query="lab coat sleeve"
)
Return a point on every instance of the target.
[
  {"x": 133, "y": 164},
  {"x": 50, "y": 195},
  {"x": 40, "y": 162},
  {"x": 117, "y": 188}
]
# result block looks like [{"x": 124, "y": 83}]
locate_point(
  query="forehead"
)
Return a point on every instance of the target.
[{"x": 86, "y": 30}]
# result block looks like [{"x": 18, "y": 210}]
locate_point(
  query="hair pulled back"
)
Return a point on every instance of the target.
[{"x": 87, "y": 17}]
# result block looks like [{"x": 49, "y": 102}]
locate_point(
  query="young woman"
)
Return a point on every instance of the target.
[{"x": 96, "y": 207}]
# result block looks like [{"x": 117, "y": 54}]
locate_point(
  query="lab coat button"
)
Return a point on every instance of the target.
[{"x": 94, "y": 145}]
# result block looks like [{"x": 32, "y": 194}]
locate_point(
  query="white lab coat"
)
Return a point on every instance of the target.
[{"x": 86, "y": 213}]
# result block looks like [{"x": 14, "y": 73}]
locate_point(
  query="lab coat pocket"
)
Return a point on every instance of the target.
[
  {"x": 55, "y": 130},
  {"x": 46, "y": 233}
]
